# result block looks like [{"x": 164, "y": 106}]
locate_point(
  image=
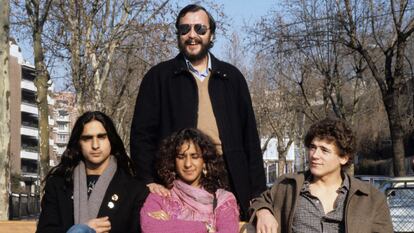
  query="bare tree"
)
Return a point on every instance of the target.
[
  {"x": 93, "y": 31},
  {"x": 379, "y": 33},
  {"x": 305, "y": 47},
  {"x": 128, "y": 69},
  {"x": 37, "y": 14},
  {"x": 109, "y": 45},
  {"x": 275, "y": 104},
  {"x": 4, "y": 111},
  {"x": 334, "y": 49}
]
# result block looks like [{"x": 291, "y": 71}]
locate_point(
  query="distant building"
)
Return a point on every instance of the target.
[
  {"x": 63, "y": 114},
  {"x": 271, "y": 159}
]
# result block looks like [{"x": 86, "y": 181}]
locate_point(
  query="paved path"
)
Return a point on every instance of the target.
[{"x": 17, "y": 226}]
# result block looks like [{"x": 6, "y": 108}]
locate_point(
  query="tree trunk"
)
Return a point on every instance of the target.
[
  {"x": 4, "y": 111},
  {"x": 281, "y": 165},
  {"x": 397, "y": 134},
  {"x": 42, "y": 77}
]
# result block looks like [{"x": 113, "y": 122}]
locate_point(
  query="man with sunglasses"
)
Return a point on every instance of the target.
[{"x": 197, "y": 90}]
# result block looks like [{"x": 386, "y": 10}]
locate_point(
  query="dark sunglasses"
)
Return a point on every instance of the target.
[{"x": 200, "y": 29}]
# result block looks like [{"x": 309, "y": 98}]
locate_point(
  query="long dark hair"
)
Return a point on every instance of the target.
[
  {"x": 73, "y": 155},
  {"x": 216, "y": 177}
]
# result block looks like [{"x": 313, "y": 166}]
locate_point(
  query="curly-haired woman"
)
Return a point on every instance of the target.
[{"x": 188, "y": 164}]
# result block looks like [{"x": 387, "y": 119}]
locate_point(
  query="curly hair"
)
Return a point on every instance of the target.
[
  {"x": 216, "y": 177},
  {"x": 334, "y": 130}
]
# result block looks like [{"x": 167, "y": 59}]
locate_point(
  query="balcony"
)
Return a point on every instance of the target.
[
  {"x": 29, "y": 155},
  {"x": 63, "y": 130},
  {"x": 29, "y": 108},
  {"x": 61, "y": 140},
  {"x": 29, "y": 85},
  {"x": 29, "y": 131},
  {"x": 33, "y": 175},
  {"x": 62, "y": 118}
]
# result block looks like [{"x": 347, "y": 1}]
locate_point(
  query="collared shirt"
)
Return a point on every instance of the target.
[
  {"x": 200, "y": 75},
  {"x": 309, "y": 214}
]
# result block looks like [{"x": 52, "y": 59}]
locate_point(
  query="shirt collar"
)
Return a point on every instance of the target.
[
  {"x": 199, "y": 75},
  {"x": 343, "y": 188}
]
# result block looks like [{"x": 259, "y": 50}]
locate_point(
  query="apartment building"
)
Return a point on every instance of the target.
[
  {"x": 24, "y": 118},
  {"x": 24, "y": 141}
]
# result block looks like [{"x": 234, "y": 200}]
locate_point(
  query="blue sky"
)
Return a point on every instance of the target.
[
  {"x": 247, "y": 10},
  {"x": 239, "y": 13}
]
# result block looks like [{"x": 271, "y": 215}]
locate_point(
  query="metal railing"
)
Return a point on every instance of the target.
[{"x": 24, "y": 206}]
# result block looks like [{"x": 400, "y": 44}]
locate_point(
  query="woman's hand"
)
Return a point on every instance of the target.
[
  {"x": 158, "y": 189},
  {"x": 100, "y": 225},
  {"x": 159, "y": 215}
]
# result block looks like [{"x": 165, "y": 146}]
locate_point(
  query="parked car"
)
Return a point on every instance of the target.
[
  {"x": 397, "y": 182},
  {"x": 400, "y": 196}
]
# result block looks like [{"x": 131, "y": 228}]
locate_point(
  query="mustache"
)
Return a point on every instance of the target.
[{"x": 190, "y": 41}]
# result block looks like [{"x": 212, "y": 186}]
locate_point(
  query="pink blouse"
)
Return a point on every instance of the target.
[{"x": 226, "y": 218}]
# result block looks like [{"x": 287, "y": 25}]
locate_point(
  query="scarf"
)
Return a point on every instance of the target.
[
  {"x": 84, "y": 208},
  {"x": 194, "y": 204}
]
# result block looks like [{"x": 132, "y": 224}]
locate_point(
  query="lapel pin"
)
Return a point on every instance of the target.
[
  {"x": 111, "y": 205},
  {"x": 115, "y": 197}
]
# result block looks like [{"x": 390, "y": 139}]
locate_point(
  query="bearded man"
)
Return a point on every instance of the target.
[{"x": 197, "y": 90}]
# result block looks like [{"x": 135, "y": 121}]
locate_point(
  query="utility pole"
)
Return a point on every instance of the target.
[{"x": 4, "y": 111}]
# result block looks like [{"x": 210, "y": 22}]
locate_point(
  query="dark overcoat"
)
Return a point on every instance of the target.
[
  {"x": 57, "y": 205},
  {"x": 168, "y": 101}
]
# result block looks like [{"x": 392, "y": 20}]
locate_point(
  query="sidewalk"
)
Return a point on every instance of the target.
[{"x": 17, "y": 226}]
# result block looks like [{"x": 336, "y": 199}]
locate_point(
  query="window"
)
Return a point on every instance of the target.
[
  {"x": 62, "y": 126},
  {"x": 62, "y": 137}
]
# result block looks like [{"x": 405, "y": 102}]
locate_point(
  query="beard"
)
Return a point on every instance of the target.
[{"x": 205, "y": 47}]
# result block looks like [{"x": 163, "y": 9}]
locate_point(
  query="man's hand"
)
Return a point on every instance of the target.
[
  {"x": 159, "y": 215},
  {"x": 100, "y": 225},
  {"x": 266, "y": 222},
  {"x": 158, "y": 189}
]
